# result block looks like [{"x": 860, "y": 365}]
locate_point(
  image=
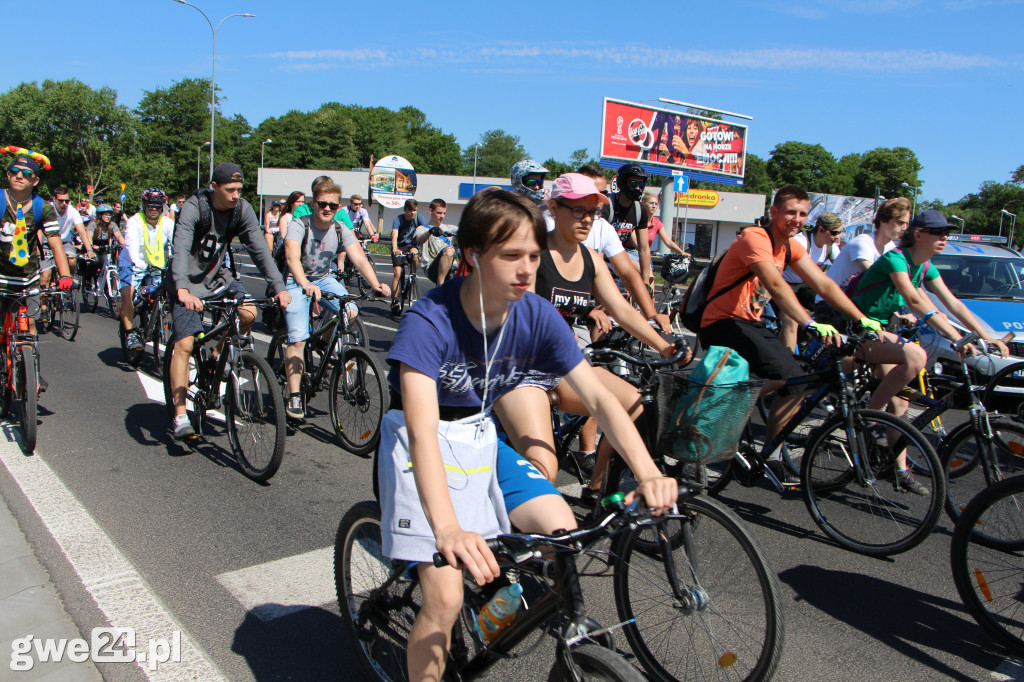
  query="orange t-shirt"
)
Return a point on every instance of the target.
[{"x": 747, "y": 300}]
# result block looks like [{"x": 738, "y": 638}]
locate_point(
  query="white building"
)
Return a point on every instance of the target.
[{"x": 711, "y": 220}]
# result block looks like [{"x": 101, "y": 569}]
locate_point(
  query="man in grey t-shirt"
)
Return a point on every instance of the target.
[{"x": 310, "y": 246}]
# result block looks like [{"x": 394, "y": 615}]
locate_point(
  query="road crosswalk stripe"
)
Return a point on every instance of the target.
[{"x": 277, "y": 588}]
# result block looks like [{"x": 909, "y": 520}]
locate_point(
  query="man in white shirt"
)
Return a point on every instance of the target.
[
  {"x": 146, "y": 239},
  {"x": 361, "y": 223},
  {"x": 822, "y": 244},
  {"x": 435, "y": 238},
  {"x": 70, "y": 224}
]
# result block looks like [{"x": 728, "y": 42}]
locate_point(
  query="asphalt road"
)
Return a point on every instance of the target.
[{"x": 142, "y": 532}]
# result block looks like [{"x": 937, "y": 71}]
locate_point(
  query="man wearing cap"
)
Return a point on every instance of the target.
[
  {"x": 25, "y": 216},
  {"x": 207, "y": 224},
  {"x": 822, "y": 244}
]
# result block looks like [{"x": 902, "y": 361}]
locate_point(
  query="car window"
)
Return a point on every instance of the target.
[{"x": 982, "y": 276}]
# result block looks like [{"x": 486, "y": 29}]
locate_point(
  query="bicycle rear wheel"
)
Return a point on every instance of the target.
[
  {"x": 595, "y": 662},
  {"x": 67, "y": 312},
  {"x": 988, "y": 575},
  {"x": 873, "y": 516},
  {"x": 963, "y": 457},
  {"x": 161, "y": 335},
  {"x": 254, "y": 410},
  {"x": 28, "y": 386},
  {"x": 378, "y": 603},
  {"x": 727, "y": 621},
  {"x": 358, "y": 399},
  {"x": 1005, "y": 391}
]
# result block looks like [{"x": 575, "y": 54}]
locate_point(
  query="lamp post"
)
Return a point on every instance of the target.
[
  {"x": 476, "y": 148},
  {"x": 263, "y": 146},
  {"x": 213, "y": 70},
  {"x": 197, "y": 161},
  {"x": 913, "y": 206},
  {"x": 1013, "y": 223},
  {"x": 962, "y": 223}
]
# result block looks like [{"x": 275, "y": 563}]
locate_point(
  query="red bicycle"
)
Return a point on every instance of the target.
[{"x": 19, "y": 365}]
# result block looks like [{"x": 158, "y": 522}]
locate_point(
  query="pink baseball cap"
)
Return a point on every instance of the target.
[{"x": 577, "y": 186}]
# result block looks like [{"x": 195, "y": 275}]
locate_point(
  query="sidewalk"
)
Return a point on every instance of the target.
[{"x": 30, "y": 605}]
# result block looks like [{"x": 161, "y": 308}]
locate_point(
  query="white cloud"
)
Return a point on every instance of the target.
[{"x": 512, "y": 57}]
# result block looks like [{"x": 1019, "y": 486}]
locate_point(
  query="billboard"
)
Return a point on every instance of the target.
[
  {"x": 857, "y": 213},
  {"x": 661, "y": 137},
  {"x": 392, "y": 181}
]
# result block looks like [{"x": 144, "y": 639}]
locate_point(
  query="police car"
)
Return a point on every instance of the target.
[{"x": 988, "y": 277}]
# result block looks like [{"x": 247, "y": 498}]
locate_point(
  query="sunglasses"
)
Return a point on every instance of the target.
[
  {"x": 25, "y": 172},
  {"x": 533, "y": 183},
  {"x": 634, "y": 183},
  {"x": 328, "y": 204},
  {"x": 359, "y": 205},
  {"x": 938, "y": 231},
  {"x": 579, "y": 213},
  {"x": 63, "y": 201},
  {"x": 834, "y": 233}
]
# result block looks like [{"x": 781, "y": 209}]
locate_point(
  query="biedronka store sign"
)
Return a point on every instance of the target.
[{"x": 704, "y": 198}]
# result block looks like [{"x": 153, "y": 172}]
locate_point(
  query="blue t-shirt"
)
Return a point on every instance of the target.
[
  {"x": 406, "y": 229},
  {"x": 435, "y": 337}
]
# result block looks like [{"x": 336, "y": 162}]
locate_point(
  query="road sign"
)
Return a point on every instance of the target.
[{"x": 682, "y": 183}]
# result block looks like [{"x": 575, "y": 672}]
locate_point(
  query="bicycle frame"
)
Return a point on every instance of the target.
[
  {"x": 332, "y": 328},
  {"x": 14, "y": 336}
]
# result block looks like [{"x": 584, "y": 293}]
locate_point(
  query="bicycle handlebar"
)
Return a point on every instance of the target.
[{"x": 681, "y": 350}]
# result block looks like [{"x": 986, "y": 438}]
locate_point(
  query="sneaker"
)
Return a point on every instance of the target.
[
  {"x": 785, "y": 476},
  {"x": 396, "y": 309},
  {"x": 905, "y": 479},
  {"x": 183, "y": 430},
  {"x": 590, "y": 499},
  {"x": 134, "y": 340},
  {"x": 586, "y": 462},
  {"x": 294, "y": 410}
]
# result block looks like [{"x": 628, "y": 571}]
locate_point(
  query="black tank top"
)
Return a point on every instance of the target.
[{"x": 573, "y": 299}]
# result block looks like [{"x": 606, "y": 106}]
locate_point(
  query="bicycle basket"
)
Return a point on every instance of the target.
[{"x": 700, "y": 423}]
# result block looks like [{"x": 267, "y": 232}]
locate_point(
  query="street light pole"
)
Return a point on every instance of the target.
[
  {"x": 213, "y": 70},
  {"x": 197, "y": 161},
  {"x": 263, "y": 146},
  {"x": 1013, "y": 223},
  {"x": 476, "y": 148},
  {"x": 913, "y": 206},
  {"x": 962, "y": 223}
]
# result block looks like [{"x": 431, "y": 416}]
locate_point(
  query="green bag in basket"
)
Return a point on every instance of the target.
[{"x": 701, "y": 416}]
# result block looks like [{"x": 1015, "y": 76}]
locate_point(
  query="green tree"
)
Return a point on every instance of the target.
[
  {"x": 887, "y": 168},
  {"x": 755, "y": 176},
  {"x": 846, "y": 173},
  {"x": 499, "y": 151},
  {"x": 1018, "y": 175},
  {"x": 981, "y": 210},
  {"x": 809, "y": 166},
  {"x": 430, "y": 150}
]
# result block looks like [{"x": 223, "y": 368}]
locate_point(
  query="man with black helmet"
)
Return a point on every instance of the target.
[
  {"x": 146, "y": 239},
  {"x": 629, "y": 216}
]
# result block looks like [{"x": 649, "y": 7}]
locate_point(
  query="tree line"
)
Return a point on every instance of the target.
[{"x": 92, "y": 139}]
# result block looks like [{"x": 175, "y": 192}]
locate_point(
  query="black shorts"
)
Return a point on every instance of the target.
[
  {"x": 398, "y": 261},
  {"x": 765, "y": 354},
  {"x": 188, "y": 322},
  {"x": 434, "y": 266}
]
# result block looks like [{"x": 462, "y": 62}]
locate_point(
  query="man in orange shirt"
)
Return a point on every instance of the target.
[{"x": 749, "y": 276}]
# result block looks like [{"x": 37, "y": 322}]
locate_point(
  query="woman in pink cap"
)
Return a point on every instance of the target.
[{"x": 572, "y": 276}]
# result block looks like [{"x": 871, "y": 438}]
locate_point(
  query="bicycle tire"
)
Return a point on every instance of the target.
[
  {"x": 1013, "y": 401},
  {"x": 28, "y": 383},
  {"x": 731, "y": 623},
  {"x": 275, "y": 356},
  {"x": 113, "y": 293},
  {"x": 6, "y": 394},
  {"x": 377, "y": 628},
  {"x": 966, "y": 475},
  {"x": 358, "y": 399},
  {"x": 595, "y": 660},
  {"x": 161, "y": 335},
  {"x": 844, "y": 508},
  {"x": 986, "y": 576},
  {"x": 254, "y": 412},
  {"x": 90, "y": 299}
]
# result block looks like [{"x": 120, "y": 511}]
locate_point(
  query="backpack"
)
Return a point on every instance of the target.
[
  {"x": 273, "y": 316},
  {"x": 37, "y": 208},
  {"x": 696, "y": 300}
]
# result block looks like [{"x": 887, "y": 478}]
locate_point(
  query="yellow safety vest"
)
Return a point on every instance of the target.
[{"x": 155, "y": 253}]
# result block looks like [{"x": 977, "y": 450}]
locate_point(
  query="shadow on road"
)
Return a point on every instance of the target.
[
  {"x": 903, "y": 619},
  {"x": 308, "y": 644}
]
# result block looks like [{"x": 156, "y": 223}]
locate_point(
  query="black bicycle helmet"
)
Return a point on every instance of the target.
[{"x": 153, "y": 196}]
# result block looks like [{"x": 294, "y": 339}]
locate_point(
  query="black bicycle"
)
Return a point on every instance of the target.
[
  {"x": 152, "y": 321},
  {"x": 408, "y": 286},
  {"x": 988, "y": 569},
  {"x": 706, "y": 604},
  {"x": 223, "y": 371},
  {"x": 848, "y": 470},
  {"x": 62, "y": 310},
  {"x": 352, "y": 278},
  {"x": 358, "y": 394}
]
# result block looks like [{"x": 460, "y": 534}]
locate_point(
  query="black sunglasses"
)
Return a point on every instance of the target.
[
  {"x": 938, "y": 230},
  {"x": 328, "y": 204}
]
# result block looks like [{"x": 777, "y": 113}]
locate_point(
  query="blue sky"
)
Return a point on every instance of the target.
[{"x": 943, "y": 77}]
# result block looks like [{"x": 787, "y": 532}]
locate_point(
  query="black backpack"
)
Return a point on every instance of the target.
[
  {"x": 696, "y": 300},
  {"x": 273, "y": 316}
]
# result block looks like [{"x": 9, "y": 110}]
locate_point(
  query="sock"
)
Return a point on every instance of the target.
[
  {"x": 181, "y": 419},
  {"x": 588, "y": 453}
]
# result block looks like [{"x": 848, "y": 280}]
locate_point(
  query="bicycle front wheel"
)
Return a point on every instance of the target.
[
  {"x": 28, "y": 385},
  {"x": 988, "y": 575},
  {"x": 358, "y": 400},
  {"x": 378, "y": 605},
  {"x": 6, "y": 369},
  {"x": 1005, "y": 391},
  {"x": 864, "y": 509},
  {"x": 161, "y": 335},
  {"x": 254, "y": 410},
  {"x": 69, "y": 313},
  {"x": 965, "y": 455},
  {"x": 725, "y": 622}
]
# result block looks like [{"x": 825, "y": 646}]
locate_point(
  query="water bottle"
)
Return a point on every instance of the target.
[{"x": 499, "y": 612}]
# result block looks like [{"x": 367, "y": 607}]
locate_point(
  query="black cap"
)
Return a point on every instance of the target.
[
  {"x": 227, "y": 172},
  {"x": 23, "y": 161},
  {"x": 931, "y": 220}
]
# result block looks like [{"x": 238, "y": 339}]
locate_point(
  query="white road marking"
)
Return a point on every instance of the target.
[
  {"x": 154, "y": 389},
  {"x": 278, "y": 588},
  {"x": 117, "y": 588}
]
